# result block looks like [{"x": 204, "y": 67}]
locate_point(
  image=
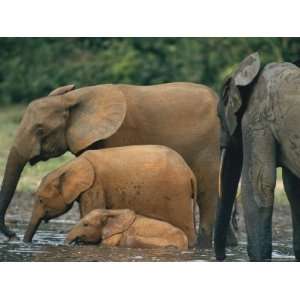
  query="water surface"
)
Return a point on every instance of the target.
[{"x": 48, "y": 243}]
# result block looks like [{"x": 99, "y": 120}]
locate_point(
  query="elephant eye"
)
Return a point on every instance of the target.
[
  {"x": 85, "y": 224},
  {"x": 40, "y": 131}
]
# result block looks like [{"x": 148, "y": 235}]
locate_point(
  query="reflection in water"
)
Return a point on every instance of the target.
[{"x": 48, "y": 245}]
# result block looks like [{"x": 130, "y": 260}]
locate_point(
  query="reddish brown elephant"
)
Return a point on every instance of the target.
[
  {"x": 182, "y": 116},
  {"x": 153, "y": 181},
  {"x": 123, "y": 228}
]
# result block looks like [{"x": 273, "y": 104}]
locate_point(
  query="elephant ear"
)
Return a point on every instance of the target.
[
  {"x": 247, "y": 70},
  {"x": 74, "y": 178},
  {"x": 96, "y": 113},
  {"x": 62, "y": 90},
  {"x": 234, "y": 103},
  {"x": 244, "y": 76},
  {"x": 118, "y": 223}
]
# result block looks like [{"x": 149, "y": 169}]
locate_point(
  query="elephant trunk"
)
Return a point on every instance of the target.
[
  {"x": 230, "y": 172},
  {"x": 36, "y": 218},
  {"x": 14, "y": 167},
  {"x": 32, "y": 228},
  {"x": 72, "y": 235}
]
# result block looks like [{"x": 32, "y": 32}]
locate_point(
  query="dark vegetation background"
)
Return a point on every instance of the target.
[{"x": 31, "y": 67}]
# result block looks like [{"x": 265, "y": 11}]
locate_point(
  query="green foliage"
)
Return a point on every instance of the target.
[{"x": 32, "y": 67}]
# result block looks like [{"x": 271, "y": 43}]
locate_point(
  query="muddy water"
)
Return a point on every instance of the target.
[{"x": 48, "y": 243}]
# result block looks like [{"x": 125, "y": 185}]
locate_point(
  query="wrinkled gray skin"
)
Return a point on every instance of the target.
[{"x": 260, "y": 116}]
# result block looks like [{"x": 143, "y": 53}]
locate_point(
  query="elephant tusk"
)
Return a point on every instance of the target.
[{"x": 223, "y": 153}]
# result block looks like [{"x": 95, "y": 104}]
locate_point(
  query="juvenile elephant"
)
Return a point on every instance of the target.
[
  {"x": 182, "y": 116},
  {"x": 153, "y": 181},
  {"x": 122, "y": 227},
  {"x": 260, "y": 113}
]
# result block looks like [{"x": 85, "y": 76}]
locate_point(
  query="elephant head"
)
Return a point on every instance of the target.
[
  {"x": 101, "y": 224},
  {"x": 67, "y": 119},
  {"x": 233, "y": 102},
  {"x": 58, "y": 191},
  {"x": 234, "y": 97}
]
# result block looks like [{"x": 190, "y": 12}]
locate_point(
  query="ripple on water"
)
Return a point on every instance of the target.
[{"x": 48, "y": 245}]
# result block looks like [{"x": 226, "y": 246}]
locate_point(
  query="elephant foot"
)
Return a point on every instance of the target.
[
  {"x": 220, "y": 256},
  {"x": 7, "y": 232},
  {"x": 260, "y": 257},
  {"x": 204, "y": 241},
  {"x": 297, "y": 255}
]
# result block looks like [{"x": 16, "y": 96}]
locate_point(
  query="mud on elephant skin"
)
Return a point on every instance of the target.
[
  {"x": 259, "y": 112},
  {"x": 154, "y": 181},
  {"x": 179, "y": 115},
  {"x": 124, "y": 228}
]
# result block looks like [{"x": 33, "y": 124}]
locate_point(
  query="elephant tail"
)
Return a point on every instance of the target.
[{"x": 194, "y": 197}]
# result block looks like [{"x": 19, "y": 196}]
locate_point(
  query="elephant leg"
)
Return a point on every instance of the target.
[
  {"x": 207, "y": 181},
  {"x": 233, "y": 227},
  {"x": 292, "y": 189},
  {"x": 229, "y": 180},
  {"x": 90, "y": 200},
  {"x": 135, "y": 241},
  {"x": 207, "y": 187},
  {"x": 258, "y": 184}
]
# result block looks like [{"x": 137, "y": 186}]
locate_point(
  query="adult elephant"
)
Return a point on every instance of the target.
[
  {"x": 179, "y": 115},
  {"x": 259, "y": 112}
]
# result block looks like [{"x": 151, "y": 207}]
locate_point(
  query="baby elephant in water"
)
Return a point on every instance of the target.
[
  {"x": 153, "y": 181},
  {"x": 122, "y": 227}
]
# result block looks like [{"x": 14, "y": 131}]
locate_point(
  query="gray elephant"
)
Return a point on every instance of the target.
[
  {"x": 182, "y": 116},
  {"x": 259, "y": 112}
]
